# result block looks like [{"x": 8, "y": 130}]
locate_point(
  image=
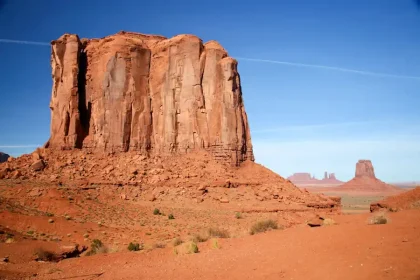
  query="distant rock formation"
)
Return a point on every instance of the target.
[
  {"x": 365, "y": 181},
  {"x": 147, "y": 93},
  {"x": 3, "y": 157},
  {"x": 364, "y": 168},
  {"x": 307, "y": 179}
]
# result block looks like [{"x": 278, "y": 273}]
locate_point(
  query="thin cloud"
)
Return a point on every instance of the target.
[
  {"x": 315, "y": 126},
  {"x": 360, "y": 72},
  {"x": 18, "y": 146},
  {"x": 8, "y": 41}
]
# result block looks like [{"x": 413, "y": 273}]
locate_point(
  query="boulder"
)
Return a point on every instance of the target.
[
  {"x": 38, "y": 165},
  {"x": 15, "y": 174}
]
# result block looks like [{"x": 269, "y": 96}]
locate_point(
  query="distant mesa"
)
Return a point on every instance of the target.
[
  {"x": 3, "y": 157},
  {"x": 307, "y": 179},
  {"x": 366, "y": 181}
]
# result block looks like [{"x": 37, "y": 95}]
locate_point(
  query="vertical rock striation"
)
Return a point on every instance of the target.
[{"x": 146, "y": 93}]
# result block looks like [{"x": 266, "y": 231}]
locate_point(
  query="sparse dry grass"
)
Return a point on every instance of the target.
[
  {"x": 263, "y": 226},
  {"x": 211, "y": 232},
  {"x": 216, "y": 232},
  {"x": 159, "y": 245}
]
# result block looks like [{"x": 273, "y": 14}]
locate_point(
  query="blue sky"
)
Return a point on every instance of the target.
[{"x": 303, "y": 119}]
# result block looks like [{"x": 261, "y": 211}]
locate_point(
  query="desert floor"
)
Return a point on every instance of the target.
[{"x": 352, "y": 248}]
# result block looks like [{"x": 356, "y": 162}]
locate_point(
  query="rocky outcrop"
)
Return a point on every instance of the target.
[
  {"x": 3, "y": 157},
  {"x": 406, "y": 200},
  {"x": 135, "y": 92},
  {"x": 364, "y": 168}
]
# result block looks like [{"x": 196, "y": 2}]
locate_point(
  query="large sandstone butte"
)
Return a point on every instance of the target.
[
  {"x": 365, "y": 181},
  {"x": 364, "y": 168},
  {"x": 147, "y": 93}
]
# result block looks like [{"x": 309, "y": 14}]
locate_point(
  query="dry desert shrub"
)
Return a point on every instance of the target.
[
  {"x": 211, "y": 232},
  {"x": 328, "y": 222},
  {"x": 97, "y": 247},
  {"x": 159, "y": 245},
  {"x": 177, "y": 241},
  {"x": 215, "y": 244},
  {"x": 44, "y": 255},
  {"x": 379, "y": 219},
  {"x": 134, "y": 246},
  {"x": 263, "y": 226},
  {"x": 216, "y": 232},
  {"x": 192, "y": 248},
  {"x": 416, "y": 205},
  {"x": 199, "y": 238}
]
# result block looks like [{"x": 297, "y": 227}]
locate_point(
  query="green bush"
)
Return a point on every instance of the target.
[
  {"x": 171, "y": 217},
  {"x": 156, "y": 212},
  {"x": 238, "y": 215}
]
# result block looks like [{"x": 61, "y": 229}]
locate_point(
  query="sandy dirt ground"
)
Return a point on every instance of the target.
[{"x": 352, "y": 249}]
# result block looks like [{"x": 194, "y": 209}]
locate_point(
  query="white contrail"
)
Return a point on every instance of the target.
[
  {"x": 297, "y": 64},
  {"x": 24, "y": 42},
  {"x": 18, "y": 146},
  {"x": 361, "y": 72}
]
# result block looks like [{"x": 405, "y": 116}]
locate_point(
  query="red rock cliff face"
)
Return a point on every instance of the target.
[{"x": 147, "y": 93}]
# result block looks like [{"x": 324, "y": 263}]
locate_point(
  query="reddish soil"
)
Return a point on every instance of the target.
[
  {"x": 373, "y": 252},
  {"x": 79, "y": 197}
]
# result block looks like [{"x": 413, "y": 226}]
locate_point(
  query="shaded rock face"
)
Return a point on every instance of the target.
[
  {"x": 3, "y": 157},
  {"x": 146, "y": 93},
  {"x": 364, "y": 168}
]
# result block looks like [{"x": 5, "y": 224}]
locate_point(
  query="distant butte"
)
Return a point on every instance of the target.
[
  {"x": 307, "y": 179},
  {"x": 365, "y": 181}
]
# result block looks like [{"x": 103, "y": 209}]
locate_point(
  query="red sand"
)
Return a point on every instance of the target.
[{"x": 350, "y": 250}]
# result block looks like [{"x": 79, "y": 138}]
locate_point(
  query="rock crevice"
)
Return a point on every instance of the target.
[{"x": 146, "y": 93}]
